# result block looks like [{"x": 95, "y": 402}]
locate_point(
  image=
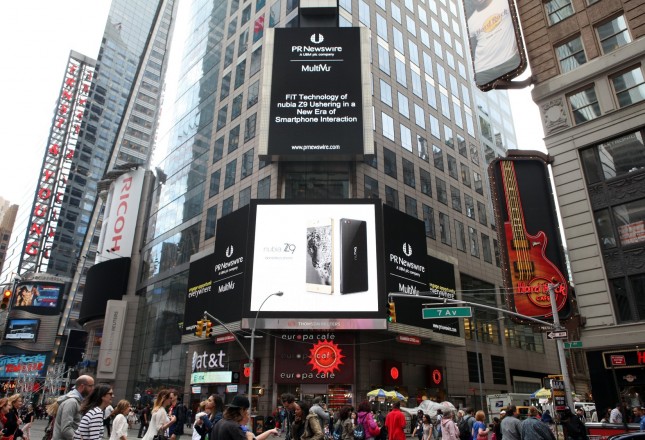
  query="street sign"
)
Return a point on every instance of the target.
[
  {"x": 617, "y": 359},
  {"x": 573, "y": 344},
  {"x": 447, "y": 312},
  {"x": 558, "y": 334}
]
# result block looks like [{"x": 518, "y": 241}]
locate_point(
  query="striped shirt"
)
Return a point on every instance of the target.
[{"x": 91, "y": 426}]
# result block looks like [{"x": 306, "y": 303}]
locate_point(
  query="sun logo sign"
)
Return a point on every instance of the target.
[{"x": 325, "y": 357}]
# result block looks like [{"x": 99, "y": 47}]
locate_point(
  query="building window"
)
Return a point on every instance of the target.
[
  {"x": 226, "y": 86},
  {"x": 426, "y": 184},
  {"x": 558, "y": 10},
  {"x": 401, "y": 78},
  {"x": 496, "y": 252},
  {"x": 252, "y": 97},
  {"x": 249, "y": 127},
  {"x": 481, "y": 211},
  {"x": 474, "y": 374},
  {"x": 388, "y": 126},
  {"x": 422, "y": 146},
  {"x": 364, "y": 13},
  {"x": 404, "y": 105},
  {"x": 227, "y": 206},
  {"x": 264, "y": 188},
  {"x": 221, "y": 117},
  {"x": 383, "y": 59},
  {"x": 386, "y": 93},
  {"x": 240, "y": 72},
  {"x": 613, "y": 34},
  {"x": 499, "y": 369},
  {"x": 628, "y": 297},
  {"x": 229, "y": 176},
  {"x": 460, "y": 236},
  {"x": 444, "y": 229},
  {"x": 479, "y": 186},
  {"x": 452, "y": 167},
  {"x": 233, "y": 139},
  {"x": 615, "y": 158},
  {"x": 214, "y": 188},
  {"x": 571, "y": 54},
  {"x": 406, "y": 138},
  {"x": 256, "y": 61},
  {"x": 247, "y": 164},
  {"x": 408, "y": 173},
  {"x": 428, "y": 221},
  {"x": 442, "y": 192},
  {"x": 437, "y": 155},
  {"x": 236, "y": 106},
  {"x": 488, "y": 255},
  {"x": 389, "y": 162},
  {"x": 584, "y": 105},
  {"x": 469, "y": 203},
  {"x": 218, "y": 149},
  {"x": 629, "y": 87},
  {"x": 371, "y": 188},
  {"x": 391, "y": 197},
  {"x": 465, "y": 175},
  {"x": 211, "y": 222},
  {"x": 411, "y": 206},
  {"x": 245, "y": 197},
  {"x": 474, "y": 242},
  {"x": 455, "y": 196}
]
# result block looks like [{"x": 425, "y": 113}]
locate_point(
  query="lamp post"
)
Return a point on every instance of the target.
[{"x": 251, "y": 356}]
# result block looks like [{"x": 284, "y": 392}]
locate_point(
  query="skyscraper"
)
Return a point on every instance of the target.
[{"x": 428, "y": 163}]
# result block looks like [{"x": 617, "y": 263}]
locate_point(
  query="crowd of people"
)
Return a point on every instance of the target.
[{"x": 86, "y": 413}]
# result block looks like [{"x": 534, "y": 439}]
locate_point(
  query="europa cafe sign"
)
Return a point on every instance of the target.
[{"x": 314, "y": 357}]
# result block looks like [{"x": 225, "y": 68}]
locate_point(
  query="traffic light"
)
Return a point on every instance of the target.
[
  {"x": 199, "y": 330},
  {"x": 208, "y": 325},
  {"x": 6, "y": 297},
  {"x": 391, "y": 311}
]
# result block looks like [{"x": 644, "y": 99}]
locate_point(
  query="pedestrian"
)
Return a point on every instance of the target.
[
  {"x": 533, "y": 428},
  {"x": 28, "y": 419},
  {"x": 639, "y": 414},
  {"x": 418, "y": 428},
  {"x": 395, "y": 423},
  {"x": 436, "y": 426},
  {"x": 68, "y": 415},
  {"x": 365, "y": 421},
  {"x": 93, "y": 410},
  {"x": 573, "y": 428},
  {"x": 580, "y": 413},
  {"x": 218, "y": 408},
  {"x": 616, "y": 414},
  {"x": 449, "y": 429},
  {"x": 318, "y": 409},
  {"x": 4, "y": 409},
  {"x": 345, "y": 424},
  {"x": 120, "y": 422},
  {"x": 144, "y": 419},
  {"x": 13, "y": 421},
  {"x": 107, "y": 419},
  {"x": 480, "y": 430},
  {"x": 177, "y": 410},
  {"x": 203, "y": 424},
  {"x": 497, "y": 429},
  {"x": 312, "y": 428},
  {"x": 511, "y": 425},
  {"x": 289, "y": 403},
  {"x": 159, "y": 420},
  {"x": 236, "y": 415}
]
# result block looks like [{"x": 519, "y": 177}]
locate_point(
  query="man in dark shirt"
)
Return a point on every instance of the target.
[{"x": 144, "y": 418}]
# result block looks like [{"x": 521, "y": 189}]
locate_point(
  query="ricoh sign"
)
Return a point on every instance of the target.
[{"x": 317, "y": 80}]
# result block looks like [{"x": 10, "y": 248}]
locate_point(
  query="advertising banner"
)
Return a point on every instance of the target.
[
  {"x": 530, "y": 246},
  {"x": 323, "y": 257},
  {"x": 216, "y": 282},
  {"x": 314, "y": 357},
  {"x": 37, "y": 295},
  {"x": 22, "y": 329},
  {"x": 16, "y": 365},
  {"x": 495, "y": 41},
  {"x": 318, "y": 83},
  {"x": 112, "y": 338}
]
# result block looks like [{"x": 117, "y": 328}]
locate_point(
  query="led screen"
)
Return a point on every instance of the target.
[
  {"x": 39, "y": 294},
  {"x": 22, "y": 329}
]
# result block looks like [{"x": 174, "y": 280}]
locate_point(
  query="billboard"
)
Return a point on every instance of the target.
[
  {"x": 316, "y": 90},
  {"x": 216, "y": 282},
  {"x": 530, "y": 242},
  {"x": 37, "y": 295},
  {"x": 324, "y": 257},
  {"x": 13, "y": 366},
  {"x": 495, "y": 41},
  {"x": 22, "y": 329}
]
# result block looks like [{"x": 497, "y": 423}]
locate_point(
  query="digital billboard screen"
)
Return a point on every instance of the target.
[
  {"x": 319, "y": 93},
  {"x": 37, "y": 294},
  {"x": 22, "y": 329},
  {"x": 495, "y": 41},
  {"x": 325, "y": 259}
]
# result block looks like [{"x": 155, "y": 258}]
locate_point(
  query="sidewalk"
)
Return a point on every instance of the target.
[{"x": 38, "y": 431}]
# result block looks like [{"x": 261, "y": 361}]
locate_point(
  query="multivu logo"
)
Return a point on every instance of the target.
[
  {"x": 317, "y": 38},
  {"x": 226, "y": 287},
  {"x": 407, "y": 249},
  {"x": 229, "y": 251}
]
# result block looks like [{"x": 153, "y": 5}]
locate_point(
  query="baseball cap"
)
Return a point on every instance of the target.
[
  {"x": 239, "y": 401},
  {"x": 502, "y": 412}
]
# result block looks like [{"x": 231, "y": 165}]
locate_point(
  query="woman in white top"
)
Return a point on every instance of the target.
[
  {"x": 120, "y": 423},
  {"x": 159, "y": 421}
]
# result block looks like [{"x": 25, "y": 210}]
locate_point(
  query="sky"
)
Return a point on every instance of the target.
[{"x": 36, "y": 37}]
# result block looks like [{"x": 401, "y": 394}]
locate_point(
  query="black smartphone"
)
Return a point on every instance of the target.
[{"x": 353, "y": 256}]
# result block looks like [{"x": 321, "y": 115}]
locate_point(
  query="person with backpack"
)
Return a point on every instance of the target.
[
  {"x": 344, "y": 428},
  {"x": 449, "y": 430},
  {"x": 366, "y": 427},
  {"x": 418, "y": 428},
  {"x": 465, "y": 425},
  {"x": 179, "y": 411}
]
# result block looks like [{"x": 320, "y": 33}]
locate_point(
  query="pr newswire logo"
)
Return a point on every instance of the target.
[{"x": 317, "y": 38}]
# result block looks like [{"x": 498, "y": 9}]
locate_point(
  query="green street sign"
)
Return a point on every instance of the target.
[
  {"x": 573, "y": 344},
  {"x": 447, "y": 312}
]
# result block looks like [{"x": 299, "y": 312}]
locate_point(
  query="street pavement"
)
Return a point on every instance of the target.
[{"x": 38, "y": 431}]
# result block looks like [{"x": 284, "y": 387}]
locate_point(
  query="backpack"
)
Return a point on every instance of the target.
[
  {"x": 338, "y": 431},
  {"x": 464, "y": 429},
  {"x": 359, "y": 432}
]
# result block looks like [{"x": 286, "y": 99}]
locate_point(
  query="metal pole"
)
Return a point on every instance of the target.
[
  {"x": 251, "y": 358},
  {"x": 560, "y": 346},
  {"x": 479, "y": 371}
]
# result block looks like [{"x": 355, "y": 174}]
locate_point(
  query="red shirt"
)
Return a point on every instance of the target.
[{"x": 395, "y": 423}]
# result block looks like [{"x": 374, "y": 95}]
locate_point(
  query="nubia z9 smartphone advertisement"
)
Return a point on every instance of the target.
[{"x": 323, "y": 257}]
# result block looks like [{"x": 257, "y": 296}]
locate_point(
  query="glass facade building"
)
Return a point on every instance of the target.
[{"x": 430, "y": 161}]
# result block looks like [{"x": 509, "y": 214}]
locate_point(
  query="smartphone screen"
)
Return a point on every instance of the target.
[
  {"x": 353, "y": 256},
  {"x": 320, "y": 256}
]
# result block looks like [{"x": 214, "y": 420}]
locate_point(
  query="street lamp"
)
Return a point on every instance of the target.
[{"x": 251, "y": 354}]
